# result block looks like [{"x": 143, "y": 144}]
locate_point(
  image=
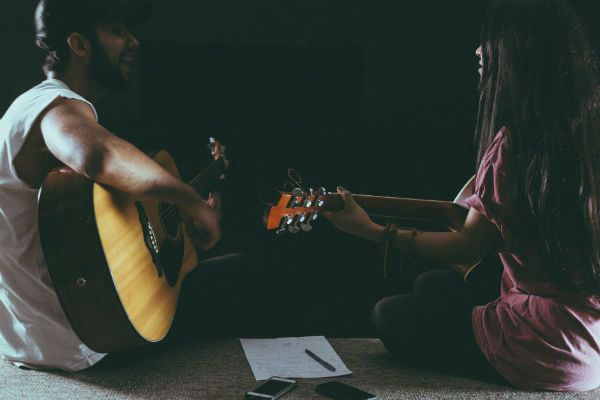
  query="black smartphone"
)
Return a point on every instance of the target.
[
  {"x": 341, "y": 391},
  {"x": 271, "y": 389}
]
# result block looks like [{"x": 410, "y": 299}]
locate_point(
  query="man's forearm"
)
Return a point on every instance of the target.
[
  {"x": 73, "y": 136},
  {"x": 126, "y": 168}
]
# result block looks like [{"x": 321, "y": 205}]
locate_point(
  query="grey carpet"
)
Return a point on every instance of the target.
[{"x": 217, "y": 369}]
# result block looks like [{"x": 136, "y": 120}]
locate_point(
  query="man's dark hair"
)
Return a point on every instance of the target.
[
  {"x": 540, "y": 81},
  {"x": 55, "y": 20}
]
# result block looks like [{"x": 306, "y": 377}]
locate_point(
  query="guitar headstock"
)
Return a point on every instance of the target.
[
  {"x": 217, "y": 149},
  {"x": 295, "y": 210}
]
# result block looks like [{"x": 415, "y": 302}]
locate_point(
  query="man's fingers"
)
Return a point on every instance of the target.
[
  {"x": 206, "y": 245},
  {"x": 204, "y": 241},
  {"x": 214, "y": 200},
  {"x": 202, "y": 237}
]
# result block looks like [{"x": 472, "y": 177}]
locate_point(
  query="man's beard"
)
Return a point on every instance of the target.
[{"x": 105, "y": 73}]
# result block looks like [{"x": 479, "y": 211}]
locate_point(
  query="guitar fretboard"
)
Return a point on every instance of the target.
[{"x": 204, "y": 181}]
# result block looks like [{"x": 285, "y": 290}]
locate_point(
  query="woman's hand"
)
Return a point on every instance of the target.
[{"x": 352, "y": 218}]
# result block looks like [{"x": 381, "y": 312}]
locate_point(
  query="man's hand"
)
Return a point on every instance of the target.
[
  {"x": 74, "y": 137},
  {"x": 215, "y": 201},
  {"x": 352, "y": 218},
  {"x": 203, "y": 225}
]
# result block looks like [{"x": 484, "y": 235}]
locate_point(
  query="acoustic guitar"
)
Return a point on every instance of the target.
[
  {"x": 296, "y": 210},
  {"x": 116, "y": 262}
]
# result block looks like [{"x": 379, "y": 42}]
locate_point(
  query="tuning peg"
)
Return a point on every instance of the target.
[
  {"x": 293, "y": 229},
  {"x": 297, "y": 192},
  {"x": 285, "y": 222},
  {"x": 295, "y": 226},
  {"x": 319, "y": 199},
  {"x": 308, "y": 202},
  {"x": 212, "y": 145},
  {"x": 306, "y": 227}
]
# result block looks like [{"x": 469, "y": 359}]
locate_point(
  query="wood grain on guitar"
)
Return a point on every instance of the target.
[{"x": 116, "y": 262}]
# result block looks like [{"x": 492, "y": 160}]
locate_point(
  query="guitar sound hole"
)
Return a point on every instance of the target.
[{"x": 170, "y": 220}]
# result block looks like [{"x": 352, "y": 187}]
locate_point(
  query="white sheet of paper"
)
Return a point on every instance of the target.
[{"x": 286, "y": 358}]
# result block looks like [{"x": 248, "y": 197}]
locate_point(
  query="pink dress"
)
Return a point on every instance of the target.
[{"x": 534, "y": 335}]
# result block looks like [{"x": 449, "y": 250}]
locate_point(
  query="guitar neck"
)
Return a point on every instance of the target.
[
  {"x": 444, "y": 213},
  {"x": 205, "y": 181}
]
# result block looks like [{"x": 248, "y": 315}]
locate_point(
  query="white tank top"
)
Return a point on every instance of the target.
[{"x": 34, "y": 331}]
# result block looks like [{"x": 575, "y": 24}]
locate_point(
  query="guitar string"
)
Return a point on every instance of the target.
[{"x": 171, "y": 211}]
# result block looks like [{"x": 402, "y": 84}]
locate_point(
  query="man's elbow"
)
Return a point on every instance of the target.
[{"x": 92, "y": 163}]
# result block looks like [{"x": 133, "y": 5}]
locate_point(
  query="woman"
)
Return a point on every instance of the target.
[{"x": 536, "y": 202}]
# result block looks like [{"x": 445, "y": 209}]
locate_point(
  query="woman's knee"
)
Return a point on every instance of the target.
[
  {"x": 394, "y": 315},
  {"x": 380, "y": 316},
  {"x": 396, "y": 322},
  {"x": 438, "y": 283}
]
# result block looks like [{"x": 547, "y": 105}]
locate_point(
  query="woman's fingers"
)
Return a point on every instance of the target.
[
  {"x": 346, "y": 195},
  {"x": 348, "y": 202}
]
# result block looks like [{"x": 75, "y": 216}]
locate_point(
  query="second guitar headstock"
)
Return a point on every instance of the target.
[{"x": 295, "y": 211}]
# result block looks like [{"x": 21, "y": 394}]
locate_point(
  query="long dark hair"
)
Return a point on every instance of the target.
[{"x": 540, "y": 82}]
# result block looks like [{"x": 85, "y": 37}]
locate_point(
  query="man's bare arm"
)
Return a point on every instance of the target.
[{"x": 72, "y": 134}]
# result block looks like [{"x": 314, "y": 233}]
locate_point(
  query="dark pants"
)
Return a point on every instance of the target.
[
  {"x": 224, "y": 296},
  {"x": 430, "y": 327}
]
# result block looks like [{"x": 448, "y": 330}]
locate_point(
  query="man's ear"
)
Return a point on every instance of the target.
[{"x": 79, "y": 45}]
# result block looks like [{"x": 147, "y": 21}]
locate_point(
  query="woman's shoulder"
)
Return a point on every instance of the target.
[
  {"x": 502, "y": 138},
  {"x": 498, "y": 149}
]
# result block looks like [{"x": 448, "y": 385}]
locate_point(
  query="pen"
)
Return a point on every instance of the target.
[{"x": 319, "y": 360}]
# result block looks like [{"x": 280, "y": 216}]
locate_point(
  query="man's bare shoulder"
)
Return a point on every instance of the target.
[
  {"x": 34, "y": 159},
  {"x": 70, "y": 131},
  {"x": 64, "y": 110}
]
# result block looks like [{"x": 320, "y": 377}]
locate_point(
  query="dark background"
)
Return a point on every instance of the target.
[{"x": 377, "y": 96}]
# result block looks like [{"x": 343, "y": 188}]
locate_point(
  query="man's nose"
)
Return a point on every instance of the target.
[{"x": 133, "y": 43}]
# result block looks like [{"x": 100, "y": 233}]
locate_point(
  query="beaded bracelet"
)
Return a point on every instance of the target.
[{"x": 389, "y": 234}]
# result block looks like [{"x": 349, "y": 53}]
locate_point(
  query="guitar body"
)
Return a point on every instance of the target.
[{"x": 117, "y": 263}]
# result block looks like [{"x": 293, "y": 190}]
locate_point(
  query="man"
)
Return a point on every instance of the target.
[{"x": 89, "y": 53}]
